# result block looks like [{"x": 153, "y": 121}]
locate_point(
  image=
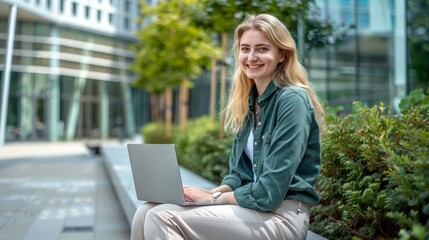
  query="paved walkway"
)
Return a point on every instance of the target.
[{"x": 57, "y": 191}]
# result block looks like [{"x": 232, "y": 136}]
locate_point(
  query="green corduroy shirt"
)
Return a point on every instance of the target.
[{"x": 286, "y": 151}]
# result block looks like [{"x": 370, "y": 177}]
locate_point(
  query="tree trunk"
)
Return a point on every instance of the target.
[
  {"x": 168, "y": 112},
  {"x": 213, "y": 88},
  {"x": 154, "y": 107},
  {"x": 223, "y": 82},
  {"x": 184, "y": 104}
]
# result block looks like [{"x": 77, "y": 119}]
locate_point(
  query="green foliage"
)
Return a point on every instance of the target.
[
  {"x": 201, "y": 150},
  {"x": 331, "y": 113},
  {"x": 223, "y": 16},
  {"x": 374, "y": 175},
  {"x": 415, "y": 98},
  {"x": 171, "y": 47},
  {"x": 154, "y": 132}
]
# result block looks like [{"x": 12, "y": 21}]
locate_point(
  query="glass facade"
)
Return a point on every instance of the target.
[
  {"x": 31, "y": 81},
  {"x": 361, "y": 67}
]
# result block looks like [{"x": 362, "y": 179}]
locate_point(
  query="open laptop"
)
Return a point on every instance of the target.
[{"x": 156, "y": 174}]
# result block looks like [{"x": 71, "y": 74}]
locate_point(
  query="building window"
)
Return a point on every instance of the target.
[
  {"x": 347, "y": 17},
  {"x": 111, "y": 18},
  {"x": 363, "y": 14},
  {"x": 87, "y": 12},
  {"x": 347, "y": 12},
  {"x": 61, "y": 6},
  {"x": 127, "y": 6},
  {"x": 38, "y": 2},
  {"x": 99, "y": 15},
  {"x": 126, "y": 23},
  {"x": 392, "y": 13},
  {"x": 74, "y": 9},
  {"x": 48, "y": 4},
  {"x": 363, "y": 3},
  {"x": 363, "y": 20}
]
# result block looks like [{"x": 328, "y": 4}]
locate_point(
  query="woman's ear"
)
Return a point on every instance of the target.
[{"x": 282, "y": 56}]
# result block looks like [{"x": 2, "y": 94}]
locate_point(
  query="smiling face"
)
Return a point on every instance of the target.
[{"x": 258, "y": 58}]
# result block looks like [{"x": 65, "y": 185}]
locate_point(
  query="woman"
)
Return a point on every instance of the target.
[{"x": 275, "y": 158}]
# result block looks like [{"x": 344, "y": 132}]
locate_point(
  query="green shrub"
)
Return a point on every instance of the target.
[
  {"x": 374, "y": 182},
  {"x": 415, "y": 98},
  {"x": 201, "y": 150},
  {"x": 154, "y": 132}
]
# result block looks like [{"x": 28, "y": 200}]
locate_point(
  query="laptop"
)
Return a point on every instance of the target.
[{"x": 156, "y": 174}]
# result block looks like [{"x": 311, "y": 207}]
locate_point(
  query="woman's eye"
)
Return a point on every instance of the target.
[
  {"x": 245, "y": 49},
  {"x": 262, "y": 49}
]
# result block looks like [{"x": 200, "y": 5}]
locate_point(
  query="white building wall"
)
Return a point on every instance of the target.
[{"x": 115, "y": 8}]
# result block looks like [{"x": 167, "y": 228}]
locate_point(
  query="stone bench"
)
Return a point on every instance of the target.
[{"x": 116, "y": 162}]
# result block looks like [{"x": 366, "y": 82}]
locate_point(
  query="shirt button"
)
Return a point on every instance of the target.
[
  {"x": 256, "y": 143},
  {"x": 259, "y": 123}
]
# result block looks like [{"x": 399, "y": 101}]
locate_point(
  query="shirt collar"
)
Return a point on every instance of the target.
[{"x": 269, "y": 90}]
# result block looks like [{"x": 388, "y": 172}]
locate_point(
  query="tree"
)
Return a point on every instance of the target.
[
  {"x": 172, "y": 51},
  {"x": 218, "y": 17}
]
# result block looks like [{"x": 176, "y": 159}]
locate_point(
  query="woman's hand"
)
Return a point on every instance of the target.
[{"x": 196, "y": 194}]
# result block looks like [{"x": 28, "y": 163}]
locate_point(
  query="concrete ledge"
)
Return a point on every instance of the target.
[{"x": 116, "y": 161}]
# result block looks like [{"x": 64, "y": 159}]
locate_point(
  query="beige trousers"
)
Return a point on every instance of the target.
[{"x": 168, "y": 221}]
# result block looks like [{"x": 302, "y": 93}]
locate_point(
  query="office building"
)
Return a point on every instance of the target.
[
  {"x": 369, "y": 65},
  {"x": 68, "y": 71}
]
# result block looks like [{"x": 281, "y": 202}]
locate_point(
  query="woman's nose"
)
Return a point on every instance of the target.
[{"x": 253, "y": 56}]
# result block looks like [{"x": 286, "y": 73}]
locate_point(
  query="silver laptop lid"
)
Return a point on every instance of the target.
[{"x": 156, "y": 173}]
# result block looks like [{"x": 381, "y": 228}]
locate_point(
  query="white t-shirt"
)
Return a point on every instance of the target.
[{"x": 249, "y": 151}]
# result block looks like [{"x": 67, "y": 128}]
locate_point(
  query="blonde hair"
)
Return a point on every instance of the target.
[{"x": 288, "y": 73}]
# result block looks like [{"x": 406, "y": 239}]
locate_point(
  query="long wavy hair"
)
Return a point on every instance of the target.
[{"x": 288, "y": 73}]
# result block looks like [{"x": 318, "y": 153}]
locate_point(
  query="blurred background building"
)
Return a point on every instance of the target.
[
  {"x": 370, "y": 64},
  {"x": 69, "y": 77},
  {"x": 69, "y": 74}
]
